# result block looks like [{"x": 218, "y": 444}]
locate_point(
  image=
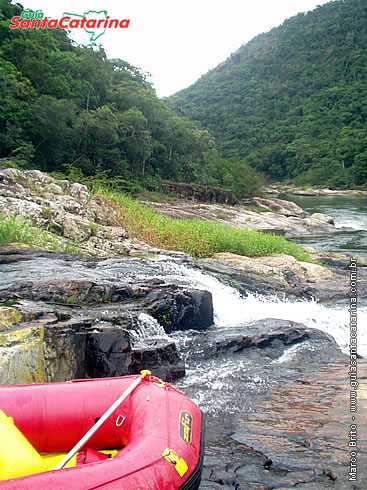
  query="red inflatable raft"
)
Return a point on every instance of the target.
[{"x": 153, "y": 439}]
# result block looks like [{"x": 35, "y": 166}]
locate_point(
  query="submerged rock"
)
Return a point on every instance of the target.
[{"x": 271, "y": 333}]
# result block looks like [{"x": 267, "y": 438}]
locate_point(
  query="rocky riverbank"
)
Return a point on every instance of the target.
[
  {"x": 68, "y": 210},
  {"x": 72, "y": 212},
  {"x": 266, "y": 215},
  {"x": 276, "y": 189}
]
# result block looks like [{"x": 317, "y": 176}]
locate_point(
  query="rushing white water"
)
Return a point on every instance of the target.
[
  {"x": 347, "y": 223},
  {"x": 148, "y": 330},
  {"x": 232, "y": 310}
]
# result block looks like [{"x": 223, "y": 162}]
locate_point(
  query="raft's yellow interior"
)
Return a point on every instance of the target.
[{"x": 18, "y": 457}]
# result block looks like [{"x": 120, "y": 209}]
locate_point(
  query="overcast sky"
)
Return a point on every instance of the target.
[{"x": 177, "y": 41}]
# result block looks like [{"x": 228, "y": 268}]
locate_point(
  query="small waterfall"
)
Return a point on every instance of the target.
[
  {"x": 147, "y": 332},
  {"x": 232, "y": 310}
]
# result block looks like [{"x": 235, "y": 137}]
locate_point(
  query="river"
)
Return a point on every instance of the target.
[
  {"x": 223, "y": 384},
  {"x": 350, "y": 216}
]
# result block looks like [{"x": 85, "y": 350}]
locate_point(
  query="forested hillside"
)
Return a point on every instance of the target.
[
  {"x": 293, "y": 102},
  {"x": 67, "y": 108}
]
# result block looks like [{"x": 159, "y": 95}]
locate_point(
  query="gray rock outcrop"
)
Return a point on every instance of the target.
[
  {"x": 265, "y": 215},
  {"x": 69, "y": 210},
  {"x": 63, "y": 329}
]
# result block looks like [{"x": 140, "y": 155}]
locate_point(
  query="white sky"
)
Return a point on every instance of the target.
[{"x": 177, "y": 41}]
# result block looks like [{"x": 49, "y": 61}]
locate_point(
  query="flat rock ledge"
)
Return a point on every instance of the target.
[
  {"x": 277, "y": 189},
  {"x": 64, "y": 329},
  {"x": 298, "y": 437},
  {"x": 281, "y": 274}
]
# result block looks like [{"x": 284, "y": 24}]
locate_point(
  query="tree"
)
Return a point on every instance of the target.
[
  {"x": 51, "y": 131},
  {"x": 135, "y": 139}
]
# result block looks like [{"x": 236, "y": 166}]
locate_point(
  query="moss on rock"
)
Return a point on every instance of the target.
[
  {"x": 22, "y": 357},
  {"x": 8, "y": 317}
]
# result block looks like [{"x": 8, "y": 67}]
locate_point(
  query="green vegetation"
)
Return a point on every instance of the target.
[
  {"x": 15, "y": 229},
  {"x": 292, "y": 102},
  {"x": 69, "y": 110},
  {"x": 196, "y": 237},
  {"x": 93, "y": 228}
]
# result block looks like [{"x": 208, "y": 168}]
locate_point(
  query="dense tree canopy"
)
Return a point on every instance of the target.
[
  {"x": 293, "y": 102},
  {"x": 67, "y": 107}
]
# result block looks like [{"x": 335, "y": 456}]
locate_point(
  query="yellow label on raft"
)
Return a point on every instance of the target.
[
  {"x": 186, "y": 426},
  {"x": 181, "y": 467}
]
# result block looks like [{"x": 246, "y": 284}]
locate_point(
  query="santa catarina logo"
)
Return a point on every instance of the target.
[{"x": 93, "y": 22}]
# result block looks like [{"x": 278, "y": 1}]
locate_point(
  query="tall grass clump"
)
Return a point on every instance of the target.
[
  {"x": 14, "y": 229},
  {"x": 194, "y": 236}
]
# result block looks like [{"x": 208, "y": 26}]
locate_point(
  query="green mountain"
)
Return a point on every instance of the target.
[{"x": 293, "y": 102}]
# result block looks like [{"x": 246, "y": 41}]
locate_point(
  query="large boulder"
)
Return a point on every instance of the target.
[
  {"x": 175, "y": 308},
  {"x": 63, "y": 329},
  {"x": 182, "y": 310},
  {"x": 196, "y": 192}
]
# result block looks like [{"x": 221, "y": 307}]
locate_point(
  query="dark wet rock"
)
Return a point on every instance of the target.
[
  {"x": 175, "y": 308},
  {"x": 109, "y": 353},
  {"x": 267, "y": 339},
  {"x": 229, "y": 464},
  {"x": 303, "y": 426},
  {"x": 54, "y": 291},
  {"x": 9, "y": 259},
  {"x": 297, "y": 437},
  {"x": 84, "y": 327},
  {"x": 274, "y": 334},
  {"x": 106, "y": 352},
  {"x": 162, "y": 359},
  {"x": 200, "y": 193},
  {"x": 183, "y": 310},
  {"x": 10, "y": 253}
]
